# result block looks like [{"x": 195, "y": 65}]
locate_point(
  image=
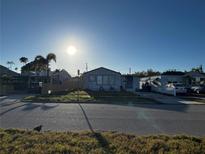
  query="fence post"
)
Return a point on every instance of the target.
[
  {"x": 174, "y": 91},
  {"x": 78, "y": 84}
]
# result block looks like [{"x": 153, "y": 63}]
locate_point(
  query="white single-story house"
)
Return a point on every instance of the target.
[
  {"x": 130, "y": 83},
  {"x": 102, "y": 79}
]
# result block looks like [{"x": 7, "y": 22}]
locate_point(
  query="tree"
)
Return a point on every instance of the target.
[
  {"x": 23, "y": 60},
  {"x": 150, "y": 72},
  {"x": 49, "y": 58},
  {"x": 173, "y": 72},
  {"x": 42, "y": 63},
  {"x": 147, "y": 73},
  {"x": 198, "y": 69},
  {"x": 28, "y": 67},
  {"x": 16, "y": 68},
  {"x": 10, "y": 63}
]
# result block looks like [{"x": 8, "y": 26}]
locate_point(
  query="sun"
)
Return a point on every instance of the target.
[{"x": 71, "y": 50}]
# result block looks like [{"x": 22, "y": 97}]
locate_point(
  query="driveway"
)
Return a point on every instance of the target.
[
  {"x": 139, "y": 119},
  {"x": 165, "y": 99}
]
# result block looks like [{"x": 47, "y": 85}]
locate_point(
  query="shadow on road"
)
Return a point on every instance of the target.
[
  {"x": 101, "y": 140},
  {"x": 11, "y": 109},
  {"x": 29, "y": 106},
  {"x": 8, "y": 103}
]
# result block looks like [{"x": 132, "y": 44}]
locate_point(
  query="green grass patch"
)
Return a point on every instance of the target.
[
  {"x": 61, "y": 97},
  {"x": 23, "y": 142},
  {"x": 90, "y": 96}
]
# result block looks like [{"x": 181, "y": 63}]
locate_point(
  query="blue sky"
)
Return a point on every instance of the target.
[{"x": 118, "y": 34}]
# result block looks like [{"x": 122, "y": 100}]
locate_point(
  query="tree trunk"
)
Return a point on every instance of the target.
[{"x": 48, "y": 78}]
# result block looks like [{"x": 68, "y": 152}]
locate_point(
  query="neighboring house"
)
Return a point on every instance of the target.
[
  {"x": 35, "y": 80},
  {"x": 166, "y": 79},
  {"x": 160, "y": 83},
  {"x": 102, "y": 79},
  {"x": 130, "y": 82},
  {"x": 171, "y": 77},
  {"x": 8, "y": 80},
  {"x": 188, "y": 79},
  {"x": 194, "y": 79},
  {"x": 59, "y": 76},
  {"x": 5, "y": 71},
  {"x": 35, "y": 73}
]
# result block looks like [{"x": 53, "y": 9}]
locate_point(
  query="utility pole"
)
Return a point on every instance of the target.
[
  {"x": 86, "y": 67},
  {"x": 130, "y": 70},
  {"x": 78, "y": 85}
]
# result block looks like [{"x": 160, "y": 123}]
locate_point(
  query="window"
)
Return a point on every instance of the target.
[
  {"x": 99, "y": 79},
  {"x": 105, "y": 80},
  {"x": 92, "y": 78}
]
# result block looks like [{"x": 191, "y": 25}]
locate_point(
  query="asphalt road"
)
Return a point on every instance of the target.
[{"x": 139, "y": 119}]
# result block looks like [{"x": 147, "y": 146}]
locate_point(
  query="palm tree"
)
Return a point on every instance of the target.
[
  {"x": 49, "y": 58},
  {"x": 23, "y": 60},
  {"x": 10, "y": 63},
  {"x": 42, "y": 63}
]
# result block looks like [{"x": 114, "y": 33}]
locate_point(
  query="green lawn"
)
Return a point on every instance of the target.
[
  {"x": 62, "y": 97},
  {"x": 88, "y": 96},
  {"x": 23, "y": 142}
]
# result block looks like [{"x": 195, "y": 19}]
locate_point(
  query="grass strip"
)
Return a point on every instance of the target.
[{"x": 24, "y": 142}]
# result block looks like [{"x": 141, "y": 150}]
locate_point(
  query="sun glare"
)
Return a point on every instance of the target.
[{"x": 71, "y": 50}]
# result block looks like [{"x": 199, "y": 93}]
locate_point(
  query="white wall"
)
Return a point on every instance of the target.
[{"x": 93, "y": 84}]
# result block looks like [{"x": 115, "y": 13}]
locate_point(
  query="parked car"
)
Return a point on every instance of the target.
[
  {"x": 179, "y": 87},
  {"x": 198, "y": 89}
]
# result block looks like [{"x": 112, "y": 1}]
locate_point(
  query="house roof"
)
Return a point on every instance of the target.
[
  {"x": 5, "y": 70},
  {"x": 173, "y": 73},
  {"x": 101, "y": 68},
  {"x": 195, "y": 74},
  {"x": 57, "y": 71}
]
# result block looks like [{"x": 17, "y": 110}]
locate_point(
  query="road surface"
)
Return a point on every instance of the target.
[{"x": 139, "y": 119}]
